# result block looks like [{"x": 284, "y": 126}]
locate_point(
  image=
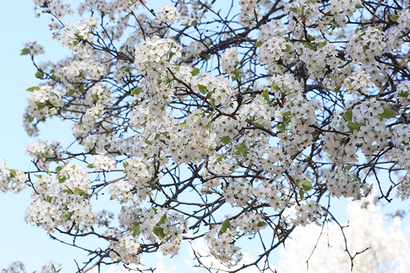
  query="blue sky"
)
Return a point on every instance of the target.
[{"x": 18, "y": 240}]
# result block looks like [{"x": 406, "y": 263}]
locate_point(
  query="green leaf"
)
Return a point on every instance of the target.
[
  {"x": 337, "y": 89},
  {"x": 125, "y": 164},
  {"x": 212, "y": 101},
  {"x": 206, "y": 56},
  {"x": 261, "y": 224},
  {"x": 394, "y": 18},
  {"x": 203, "y": 89},
  {"x": 310, "y": 37},
  {"x": 358, "y": 6},
  {"x": 136, "y": 91},
  {"x": 13, "y": 173},
  {"x": 287, "y": 49},
  {"x": 81, "y": 89},
  {"x": 310, "y": 46},
  {"x": 295, "y": 10},
  {"x": 25, "y": 51},
  {"x": 162, "y": 220},
  {"x": 90, "y": 166},
  {"x": 67, "y": 216},
  {"x": 195, "y": 72},
  {"x": 301, "y": 193},
  {"x": 136, "y": 229},
  {"x": 31, "y": 89},
  {"x": 404, "y": 94},
  {"x": 219, "y": 158},
  {"x": 225, "y": 225},
  {"x": 388, "y": 113},
  {"x": 40, "y": 105},
  {"x": 307, "y": 185},
  {"x": 95, "y": 96},
  {"x": 61, "y": 179},
  {"x": 258, "y": 43},
  {"x": 265, "y": 95},
  {"x": 68, "y": 190},
  {"x": 348, "y": 167},
  {"x": 322, "y": 44},
  {"x": 159, "y": 232},
  {"x": 226, "y": 139},
  {"x": 39, "y": 74},
  {"x": 29, "y": 118},
  {"x": 47, "y": 198},
  {"x": 70, "y": 92},
  {"x": 236, "y": 74},
  {"x": 354, "y": 126},
  {"x": 348, "y": 115},
  {"x": 241, "y": 149},
  {"x": 59, "y": 168},
  {"x": 79, "y": 191},
  {"x": 281, "y": 128}
]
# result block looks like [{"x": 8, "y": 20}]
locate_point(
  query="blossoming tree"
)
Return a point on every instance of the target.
[{"x": 214, "y": 119}]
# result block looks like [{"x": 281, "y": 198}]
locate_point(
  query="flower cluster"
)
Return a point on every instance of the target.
[
  {"x": 19, "y": 267},
  {"x": 62, "y": 201},
  {"x": 307, "y": 212},
  {"x": 102, "y": 162},
  {"x": 33, "y": 49},
  {"x": 229, "y": 60},
  {"x": 220, "y": 242},
  {"x": 74, "y": 34},
  {"x": 342, "y": 183},
  {"x": 11, "y": 180},
  {"x": 43, "y": 102},
  {"x": 365, "y": 45},
  {"x": 168, "y": 14},
  {"x": 43, "y": 152},
  {"x": 156, "y": 55},
  {"x": 249, "y": 12}
]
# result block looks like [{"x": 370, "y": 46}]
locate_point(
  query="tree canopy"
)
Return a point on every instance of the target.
[{"x": 221, "y": 120}]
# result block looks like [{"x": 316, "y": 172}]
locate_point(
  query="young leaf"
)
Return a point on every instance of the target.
[
  {"x": 265, "y": 95},
  {"x": 301, "y": 193},
  {"x": 31, "y": 89},
  {"x": 39, "y": 74},
  {"x": 136, "y": 229},
  {"x": 70, "y": 92},
  {"x": 394, "y": 18},
  {"x": 226, "y": 139},
  {"x": 236, "y": 75},
  {"x": 307, "y": 185},
  {"x": 388, "y": 113},
  {"x": 203, "y": 89},
  {"x": 159, "y": 232},
  {"x": 287, "y": 49},
  {"x": 348, "y": 115},
  {"x": 195, "y": 72},
  {"x": 404, "y": 94},
  {"x": 261, "y": 224},
  {"x": 25, "y": 51},
  {"x": 354, "y": 126},
  {"x": 79, "y": 191},
  {"x": 225, "y": 225},
  {"x": 136, "y": 91}
]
